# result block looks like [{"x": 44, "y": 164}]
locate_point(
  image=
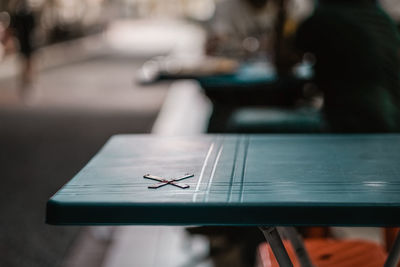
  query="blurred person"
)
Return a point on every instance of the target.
[
  {"x": 291, "y": 14},
  {"x": 22, "y": 26},
  {"x": 357, "y": 48},
  {"x": 257, "y": 29},
  {"x": 241, "y": 28},
  {"x": 4, "y": 23}
]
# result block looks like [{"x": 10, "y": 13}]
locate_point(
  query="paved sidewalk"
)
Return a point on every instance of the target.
[
  {"x": 85, "y": 92},
  {"x": 49, "y": 134}
]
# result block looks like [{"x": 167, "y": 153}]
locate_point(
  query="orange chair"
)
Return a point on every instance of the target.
[{"x": 330, "y": 253}]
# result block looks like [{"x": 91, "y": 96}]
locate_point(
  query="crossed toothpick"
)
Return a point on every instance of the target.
[{"x": 162, "y": 181}]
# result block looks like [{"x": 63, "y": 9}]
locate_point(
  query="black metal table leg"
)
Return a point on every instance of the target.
[
  {"x": 394, "y": 254},
  {"x": 273, "y": 238}
]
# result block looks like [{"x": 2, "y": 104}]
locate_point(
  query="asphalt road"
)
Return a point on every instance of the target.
[{"x": 49, "y": 134}]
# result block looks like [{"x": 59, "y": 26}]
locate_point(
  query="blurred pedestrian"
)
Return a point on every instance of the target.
[{"x": 22, "y": 26}]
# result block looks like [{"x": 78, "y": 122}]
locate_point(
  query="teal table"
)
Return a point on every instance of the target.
[
  {"x": 261, "y": 180},
  {"x": 253, "y": 85}
]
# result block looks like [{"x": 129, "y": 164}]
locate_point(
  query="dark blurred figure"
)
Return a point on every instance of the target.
[
  {"x": 357, "y": 48},
  {"x": 22, "y": 26}
]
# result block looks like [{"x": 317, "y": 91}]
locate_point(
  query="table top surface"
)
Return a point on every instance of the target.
[
  {"x": 246, "y": 75},
  {"x": 238, "y": 180}
]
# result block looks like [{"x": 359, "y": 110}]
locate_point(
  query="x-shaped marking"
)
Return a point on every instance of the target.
[{"x": 162, "y": 181}]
